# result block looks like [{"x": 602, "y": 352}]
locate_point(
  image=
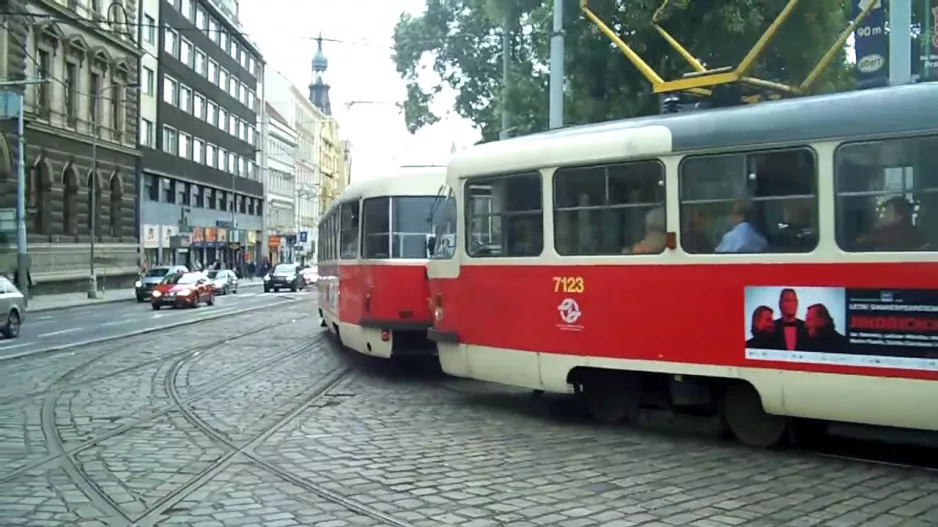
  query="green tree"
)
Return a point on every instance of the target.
[{"x": 460, "y": 40}]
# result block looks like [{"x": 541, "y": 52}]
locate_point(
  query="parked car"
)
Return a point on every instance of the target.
[
  {"x": 284, "y": 276},
  {"x": 225, "y": 281},
  {"x": 310, "y": 275},
  {"x": 183, "y": 290},
  {"x": 12, "y": 309},
  {"x": 153, "y": 276}
]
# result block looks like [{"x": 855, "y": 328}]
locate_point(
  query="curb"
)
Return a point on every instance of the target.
[
  {"x": 136, "y": 333},
  {"x": 99, "y": 302}
]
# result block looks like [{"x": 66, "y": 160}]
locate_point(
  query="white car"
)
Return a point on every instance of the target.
[{"x": 310, "y": 275}]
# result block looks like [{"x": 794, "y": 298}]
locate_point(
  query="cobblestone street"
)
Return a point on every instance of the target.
[{"x": 259, "y": 420}]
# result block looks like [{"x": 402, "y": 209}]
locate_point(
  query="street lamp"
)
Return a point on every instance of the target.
[{"x": 93, "y": 220}]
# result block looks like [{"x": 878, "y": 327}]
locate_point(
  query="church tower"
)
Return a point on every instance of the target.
[{"x": 318, "y": 89}]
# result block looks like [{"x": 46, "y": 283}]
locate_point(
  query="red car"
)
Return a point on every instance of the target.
[{"x": 183, "y": 290}]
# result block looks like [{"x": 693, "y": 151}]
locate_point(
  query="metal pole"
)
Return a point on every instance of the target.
[
  {"x": 900, "y": 42},
  {"x": 506, "y": 77},
  {"x": 22, "y": 254},
  {"x": 93, "y": 278},
  {"x": 556, "y": 67}
]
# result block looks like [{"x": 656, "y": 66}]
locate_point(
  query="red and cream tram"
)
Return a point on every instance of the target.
[
  {"x": 750, "y": 265},
  {"x": 372, "y": 260}
]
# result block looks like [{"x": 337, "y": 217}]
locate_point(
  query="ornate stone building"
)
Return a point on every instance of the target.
[{"x": 86, "y": 51}]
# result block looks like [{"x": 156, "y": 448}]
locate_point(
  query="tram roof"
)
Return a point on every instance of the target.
[
  {"x": 899, "y": 110},
  {"x": 423, "y": 180}
]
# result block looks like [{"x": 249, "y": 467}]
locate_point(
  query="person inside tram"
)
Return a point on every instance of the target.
[
  {"x": 743, "y": 237},
  {"x": 894, "y": 230},
  {"x": 655, "y": 240},
  {"x": 694, "y": 238}
]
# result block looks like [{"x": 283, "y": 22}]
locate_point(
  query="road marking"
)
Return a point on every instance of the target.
[
  {"x": 60, "y": 332},
  {"x": 9, "y": 344}
]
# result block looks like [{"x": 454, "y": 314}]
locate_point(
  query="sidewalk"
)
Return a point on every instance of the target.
[{"x": 67, "y": 300}]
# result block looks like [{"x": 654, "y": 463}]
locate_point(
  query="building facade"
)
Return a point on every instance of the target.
[
  {"x": 345, "y": 165},
  {"x": 309, "y": 122},
  {"x": 279, "y": 151},
  {"x": 330, "y": 156},
  {"x": 80, "y": 140},
  {"x": 202, "y": 195}
]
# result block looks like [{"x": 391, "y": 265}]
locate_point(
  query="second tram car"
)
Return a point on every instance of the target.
[
  {"x": 745, "y": 265},
  {"x": 372, "y": 257}
]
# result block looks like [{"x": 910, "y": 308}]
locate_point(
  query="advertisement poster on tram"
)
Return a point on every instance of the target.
[{"x": 885, "y": 328}]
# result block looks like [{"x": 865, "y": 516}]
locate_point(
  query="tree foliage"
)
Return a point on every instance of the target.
[{"x": 461, "y": 41}]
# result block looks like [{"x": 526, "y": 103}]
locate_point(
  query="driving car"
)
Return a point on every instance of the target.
[
  {"x": 283, "y": 276},
  {"x": 154, "y": 275},
  {"x": 183, "y": 290},
  {"x": 12, "y": 309},
  {"x": 224, "y": 280},
  {"x": 310, "y": 275}
]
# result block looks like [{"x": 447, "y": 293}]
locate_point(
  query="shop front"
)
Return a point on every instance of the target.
[
  {"x": 197, "y": 248},
  {"x": 273, "y": 249}
]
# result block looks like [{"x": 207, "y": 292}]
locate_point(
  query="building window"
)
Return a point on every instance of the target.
[
  {"x": 185, "y": 98},
  {"x": 251, "y": 135},
  {"x": 235, "y": 50},
  {"x": 210, "y": 155},
  {"x": 250, "y": 207},
  {"x": 170, "y": 41},
  {"x": 610, "y": 209},
  {"x": 117, "y": 105},
  {"x": 241, "y": 167},
  {"x": 222, "y": 118},
  {"x": 244, "y": 58},
  {"x": 170, "y": 140},
  {"x": 252, "y": 66},
  {"x": 200, "y": 62},
  {"x": 233, "y": 125},
  {"x": 240, "y": 202},
  {"x": 195, "y": 195},
  {"x": 222, "y": 200},
  {"x": 149, "y": 81},
  {"x": 504, "y": 216},
  {"x": 146, "y": 133},
  {"x": 185, "y": 194},
  {"x": 222, "y": 158},
  {"x": 243, "y": 94},
  {"x": 213, "y": 29},
  {"x": 232, "y": 163},
  {"x": 252, "y": 101},
  {"x": 213, "y": 71},
  {"x": 211, "y": 114},
  {"x": 149, "y": 29},
  {"x": 242, "y": 130},
  {"x": 182, "y": 193},
  {"x": 185, "y": 7},
  {"x": 743, "y": 203},
  {"x": 94, "y": 98},
  {"x": 185, "y": 52},
  {"x": 184, "y": 142},
  {"x": 232, "y": 86},
  {"x": 152, "y": 188},
  {"x": 887, "y": 195},
  {"x": 223, "y": 41},
  {"x": 198, "y": 106},
  {"x": 168, "y": 192},
  {"x": 43, "y": 101},
  {"x": 170, "y": 92},
  {"x": 209, "y": 202},
  {"x": 198, "y": 154},
  {"x": 222, "y": 78},
  {"x": 200, "y": 21}
]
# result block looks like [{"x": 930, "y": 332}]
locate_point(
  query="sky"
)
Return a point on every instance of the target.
[{"x": 360, "y": 69}]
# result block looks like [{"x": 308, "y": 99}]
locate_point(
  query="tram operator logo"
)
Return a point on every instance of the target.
[{"x": 570, "y": 313}]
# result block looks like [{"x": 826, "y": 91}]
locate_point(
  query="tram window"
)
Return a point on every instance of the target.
[
  {"x": 753, "y": 202},
  {"x": 410, "y": 225},
  {"x": 887, "y": 195},
  {"x": 348, "y": 231},
  {"x": 504, "y": 216},
  {"x": 610, "y": 209},
  {"x": 444, "y": 226},
  {"x": 377, "y": 228}
]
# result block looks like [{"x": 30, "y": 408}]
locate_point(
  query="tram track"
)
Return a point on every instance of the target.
[
  {"x": 246, "y": 450},
  {"x": 55, "y": 446}
]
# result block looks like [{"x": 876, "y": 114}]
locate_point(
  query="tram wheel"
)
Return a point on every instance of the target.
[
  {"x": 749, "y": 422},
  {"x": 608, "y": 402}
]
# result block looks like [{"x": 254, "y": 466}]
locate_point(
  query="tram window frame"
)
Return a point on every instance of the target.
[
  {"x": 923, "y": 200},
  {"x": 349, "y": 229},
  {"x": 444, "y": 226},
  {"x": 606, "y": 207},
  {"x": 785, "y": 237},
  {"x": 380, "y": 208},
  {"x": 479, "y": 249},
  {"x": 409, "y": 212}
]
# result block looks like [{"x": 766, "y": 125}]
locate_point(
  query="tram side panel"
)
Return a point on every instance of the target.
[{"x": 530, "y": 325}]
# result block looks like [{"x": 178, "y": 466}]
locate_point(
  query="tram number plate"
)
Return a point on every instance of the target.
[{"x": 568, "y": 284}]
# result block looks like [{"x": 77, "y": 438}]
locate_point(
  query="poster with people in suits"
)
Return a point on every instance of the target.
[{"x": 850, "y": 327}]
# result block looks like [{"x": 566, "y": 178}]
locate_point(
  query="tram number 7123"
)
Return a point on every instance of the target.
[{"x": 568, "y": 284}]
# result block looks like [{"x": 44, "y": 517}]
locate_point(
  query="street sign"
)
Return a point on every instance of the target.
[
  {"x": 871, "y": 45},
  {"x": 10, "y": 105}
]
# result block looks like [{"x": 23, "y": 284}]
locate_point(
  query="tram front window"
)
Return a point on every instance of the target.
[
  {"x": 444, "y": 227},
  {"x": 410, "y": 226}
]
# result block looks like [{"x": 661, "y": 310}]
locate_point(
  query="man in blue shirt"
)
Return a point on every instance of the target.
[{"x": 743, "y": 237}]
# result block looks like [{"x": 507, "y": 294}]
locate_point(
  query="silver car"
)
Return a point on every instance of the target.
[
  {"x": 153, "y": 276},
  {"x": 12, "y": 309},
  {"x": 225, "y": 281}
]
